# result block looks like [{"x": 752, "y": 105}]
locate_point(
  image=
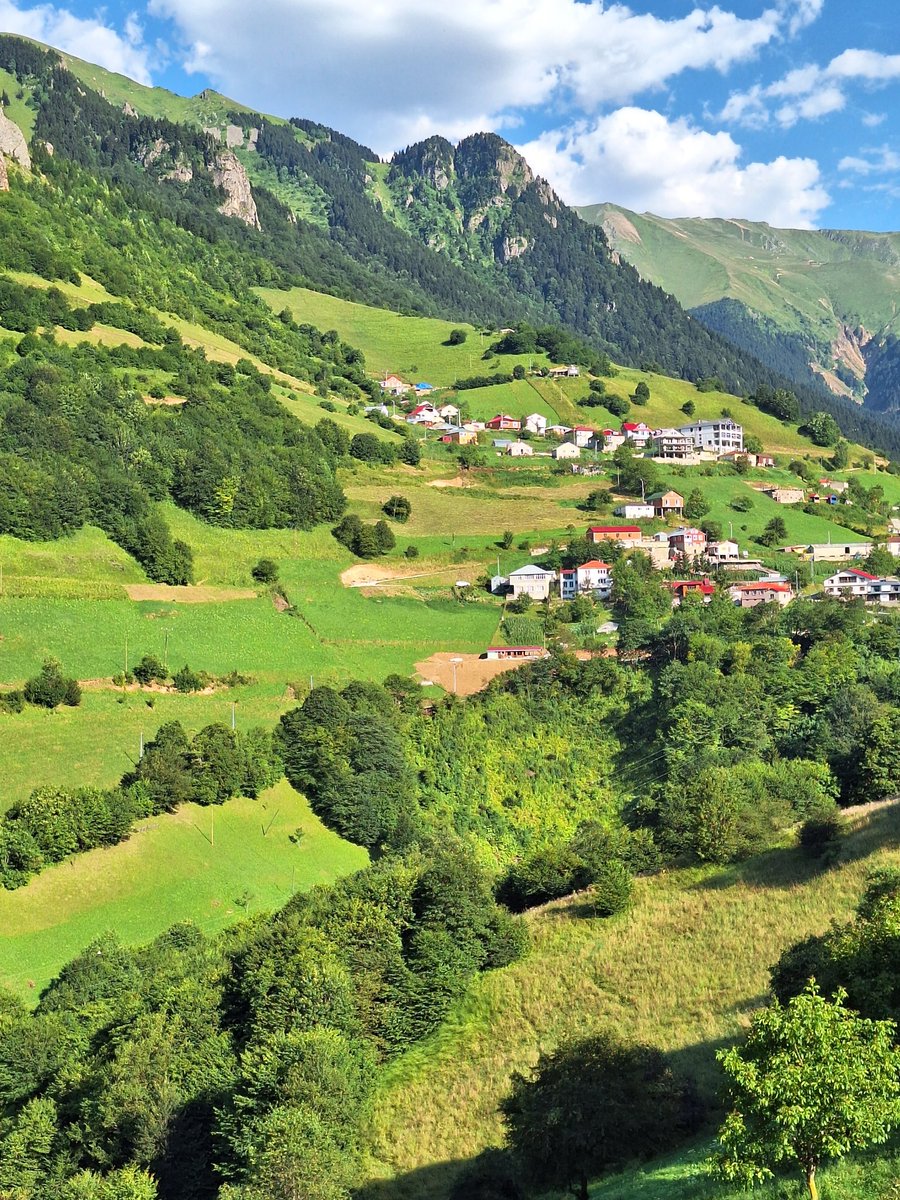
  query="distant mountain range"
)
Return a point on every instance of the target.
[
  {"x": 465, "y": 232},
  {"x": 820, "y": 303}
]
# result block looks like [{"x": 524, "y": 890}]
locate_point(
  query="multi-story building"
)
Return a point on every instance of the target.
[
  {"x": 591, "y": 578},
  {"x": 672, "y": 443},
  {"x": 852, "y": 584},
  {"x": 717, "y": 437}
]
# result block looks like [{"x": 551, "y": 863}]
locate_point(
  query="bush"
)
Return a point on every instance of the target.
[
  {"x": 12, "y": 702},
  {"x": 457, "y": 337},
  {"x": 50, "y": 688},
  {"x": 613, "y": 888},
  {"x": 150, "y": 670},
  {"x": 398, "y": 508},
  {"x": 187, "y": 680},
  {"x": 617, "y": 406},
  {"x": 265, "y": 571},
  {"x": 820, "y": 836},
  {"x": 411, "y": 552}
]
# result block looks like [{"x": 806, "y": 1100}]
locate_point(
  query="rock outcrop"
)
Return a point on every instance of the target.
[
  {"x": 4, "y": 177},
  {"x": 229, "y": 174},
  {"x": 12, "y": 142}
]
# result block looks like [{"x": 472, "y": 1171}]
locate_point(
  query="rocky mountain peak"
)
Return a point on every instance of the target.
[{"x": 486, "y": 155}]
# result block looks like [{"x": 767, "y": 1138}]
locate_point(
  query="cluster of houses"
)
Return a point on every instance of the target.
[{"x": 833, "y": 492}]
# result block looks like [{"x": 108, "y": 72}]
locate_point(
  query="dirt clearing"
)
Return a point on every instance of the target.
[{"x": 472, "y": 672}]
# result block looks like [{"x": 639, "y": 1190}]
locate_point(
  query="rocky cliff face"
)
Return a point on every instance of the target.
[
  {"x": 4, "y": 177},
  {"x": 12, "y": 142},
  {"x": 229, "y": 174}
]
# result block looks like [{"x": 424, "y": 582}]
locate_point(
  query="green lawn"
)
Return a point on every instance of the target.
[{"x": 212, "y": 866}]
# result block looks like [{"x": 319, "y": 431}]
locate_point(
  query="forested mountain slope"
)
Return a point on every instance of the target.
[
  {"x": 465, "y": 232},
  {"x": 817, "y": 304}
]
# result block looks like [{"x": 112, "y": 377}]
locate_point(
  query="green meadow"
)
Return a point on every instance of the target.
[{"x": 212, "y": 866}]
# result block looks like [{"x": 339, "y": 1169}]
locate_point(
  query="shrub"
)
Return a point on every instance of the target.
[
  {"x": 265, "y": 571},
  {"x": 50, "y": 688},
  {"x": 613, "y": 888},
  {"x": 150, "y": 670},
  {"x": 411, "y": 552},
  {"x": 398, "y": 508},
  {"x": 457, "y": 337},
  {"x": 820, "y": 836},
  {"x": 187, "y": 680}
]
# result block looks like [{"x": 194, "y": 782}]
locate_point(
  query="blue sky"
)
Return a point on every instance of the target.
[{"x": 778, "y": 110}]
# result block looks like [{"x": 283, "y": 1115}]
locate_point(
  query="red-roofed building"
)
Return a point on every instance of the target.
[
  {"x": 637, "y": 431},
  {"x": 748, "y": 595},
  {"x": 625, "y": 535},
  {"x": 591, "y": 578},
  {"x": 853, "y": 584},
  {"x": 502, "y": 422},
  {"x": 704, "y": 588},
  {"x": 580, "y": 435}
]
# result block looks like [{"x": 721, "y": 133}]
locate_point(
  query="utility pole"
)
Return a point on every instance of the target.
[
  {"x": 232, "y": 714},
  {"x": 166, "y": 652},
  {"x": 126, "y": 654}
]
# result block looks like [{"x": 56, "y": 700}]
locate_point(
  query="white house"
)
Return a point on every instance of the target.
[
  {"x": 536, "y": 423},
  {"x": 580, "y": 435},
  {"x": 571, "y": 371},
  {"x": 566, "y": 450},
  {"x": 531, "y": 581},
  {"x": 635, "y": 512},
  {"x": 718, "y": 436},
  {"x": 557, "y": 431},
  {"x": 393, "y": 385},
  {"x": 725, "y": 551},
  {"x": 610, "y": 439},
  {"x": 636, "y": 431},
  {"x": 448, "y": 411},
  {"x": 591, "y": 578},
  {"x": 851, "y": 584},
  {"x": 672, "y": 443},
  {"x": 519, "y": 450}
]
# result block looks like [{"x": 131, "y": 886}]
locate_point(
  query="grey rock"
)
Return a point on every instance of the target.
[
  {"x": 12, "y": 142},
  {"x": 229, "y": 174}
]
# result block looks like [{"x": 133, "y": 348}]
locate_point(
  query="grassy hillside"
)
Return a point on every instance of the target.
[
  {"x": 684, "y": 970},
  {"x": 212, "y": 866}
]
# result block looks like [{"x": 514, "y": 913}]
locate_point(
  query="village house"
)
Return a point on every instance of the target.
[
  {"x": 831, "y": 551},
  {"x": 557, "y": 431},
  {"x": 449, "y": 412},
  {"x": 571, "y": 371},
  {"x": 722, "y": 552},
  {"x": 424, "y": 389},
  {"x": 498, "y": 652},
  {"x": 687, "y": 541},
  {"x": 665, "y": 504},
  {"x": 672, "y": 443},
  {"x": 839, "y": 486},
  {"x": 785, "y": 495},
  {"x": 852, "y": 584},
  {"x": 637, "y": 432},
  {"x": 893, "y": 544},
  {"x": 393, "y": 385},
  {"x": 519, "y": 450},
  {"x": 460, "y": 437},
  {"x": 566, "y": 450},
  {"x": 680, "y": 588},
  {"x": 504, "y": 422},
  {"x": 751, "y": 459},
  {"x": 609, "y": 440},
  {"x": 531, "y": 581},
  {"x": 591, "y": 578},
  {"x": 501, "y": 444},
  {"x": 473, "y": 426},
  {"x": 635, "y": 512},
  {"x": 748, "y": 595},
  {"x": 625, "y": 535},
  {"x": 715, "y": 437},
  {"x": 422, "y": 414},
  {"x": 536, "y": 423},
  {"x": 580, "y": 435}
]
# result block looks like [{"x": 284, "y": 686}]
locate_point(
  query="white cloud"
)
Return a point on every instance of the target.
[
  {"x": 880, "y": 160},
  {"x": 88, "y": 38},
  {"x": 812, "y": 91},
  {"x": 649, "y": 163},
  {"x": 871, "y": 120},
  {"x": 391, "y": 70}
]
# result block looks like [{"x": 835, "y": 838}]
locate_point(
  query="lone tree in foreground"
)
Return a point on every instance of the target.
[
  {"x": 591, "y": 1106},
  {"x": 813, "y": 1081}
]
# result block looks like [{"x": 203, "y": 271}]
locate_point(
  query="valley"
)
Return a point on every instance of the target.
[{"x": 385, "y": 704}]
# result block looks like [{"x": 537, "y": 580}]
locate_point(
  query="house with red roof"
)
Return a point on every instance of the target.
[
  {"x": 580, "y": 435},
  {"x": 625, "y": 535},
  {"x": 592, "y": 578},
  {"x": 503, "y": 421},
  {"x": 638, "y": 432},
  {"x": 748, "y": 595},
  {"x": 704, "y": 588},
  {"x": 853, "y": 584}
]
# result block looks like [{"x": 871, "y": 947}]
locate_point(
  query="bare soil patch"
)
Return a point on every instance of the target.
[
  {"x": 458, "y": 481},
  {"x": 472, "y": 673},
  {"x": 166, "y": 401},
  {"x": 374, "y": 575},
  {"x": 192, "y": 594}
]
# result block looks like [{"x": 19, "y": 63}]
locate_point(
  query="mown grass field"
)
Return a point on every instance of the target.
[
  {"x": 411, "y": 347},
  {"x": 684, "y": 969},
  {"x": 212, "y": 866}
]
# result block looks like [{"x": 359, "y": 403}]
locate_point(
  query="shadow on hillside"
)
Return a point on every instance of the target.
[
  {"x": 434, "y": 1182},
  {"x": 867, "y": 833}
]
